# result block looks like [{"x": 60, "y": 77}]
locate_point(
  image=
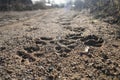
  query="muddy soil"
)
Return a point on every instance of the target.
[{"x": 58, "y": 44}]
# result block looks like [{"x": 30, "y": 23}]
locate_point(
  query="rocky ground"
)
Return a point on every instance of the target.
[{"x": 58, "y": 44}]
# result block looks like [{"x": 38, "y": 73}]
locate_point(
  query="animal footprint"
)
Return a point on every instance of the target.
[
  {"x": 38, "y": 41},
  {"x": 60, "y": 49},
  {"x": 72, "y": 46},
  {"x": 26, "y": 56},
  {"x": 31, "y": 49},
  {"x": 73, "y": 36},
  {"x": 39, "y": 54},
  {"x": 92, "y": 40},
  {"x": 66, "y": 42},
  {"x": 52, "y": 42}
]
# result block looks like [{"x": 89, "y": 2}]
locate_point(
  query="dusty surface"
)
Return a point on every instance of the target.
[{"x": 58, "y": 44}]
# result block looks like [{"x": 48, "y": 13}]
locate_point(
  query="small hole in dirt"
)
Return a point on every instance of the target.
[
  {"x": 114, "y": 45},
  {"x": 52, "y": 42},
  {"x": 46, "y": 38},
  {"x": 32, "y": 59},
  {"x": 67, "y": 50},
  {"x": 38, "y": 54},
  {"x": 66, "y": 23},
  {"x": 71, "y": 46},
  {"x": 2, "y": 60},
  {"x": 40, "y": 42},
  {"x": 32, "y": 49},
  {"x": 2, "y": 48},
  {"x": 22, "y": 60},
  {"x": 58, "y": 48}
]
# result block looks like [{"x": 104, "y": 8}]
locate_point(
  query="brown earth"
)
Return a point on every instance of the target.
[{"x": 57, "y": 44}]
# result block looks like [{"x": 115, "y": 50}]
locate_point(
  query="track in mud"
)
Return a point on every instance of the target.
[{"x": 59, "y": 45}]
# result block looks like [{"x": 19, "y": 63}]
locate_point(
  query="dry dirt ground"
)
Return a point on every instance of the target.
[{"x": 57, "y": 44}]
